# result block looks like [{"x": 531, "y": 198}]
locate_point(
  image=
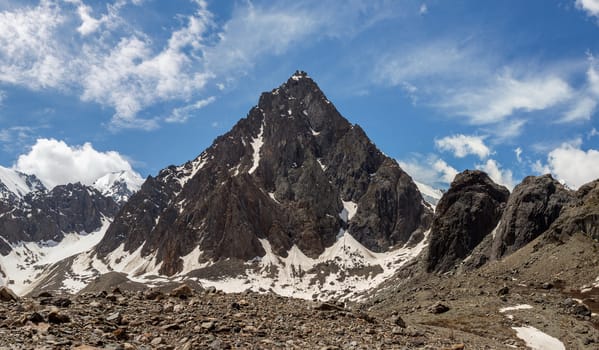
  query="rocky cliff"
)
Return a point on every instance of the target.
[
  {"x": 464, "y": 216},
  {"x": 293, "y": 173}
]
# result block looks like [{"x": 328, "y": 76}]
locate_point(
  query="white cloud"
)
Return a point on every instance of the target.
[
  {"x": 506, "y": 131},
  {"x": 506, "y": 95},
  {"x": 182, "y": 114},
  {"x": 462, "y": 79},
  {"x": 132, "y": 77},
  {"x": 496, "y": 173},
  {"x": 56, "y": 163},
  {"x": 585, "y": 104},
  {"x": 423, "y": 9},
  {"x": 571, "y": 165},
  {"x": 463, "y": 145},
  {"x": 518, "y": 152},
  {"x": 429, "y": 170},
  {"x": 592, "y": 133},
  {"x": 30, "y": 55},
  {"x": 590, "y": 6},
  {"x": 447, "y": 172}
]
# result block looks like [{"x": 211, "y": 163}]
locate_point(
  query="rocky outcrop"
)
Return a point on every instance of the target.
[
  {"x": 294, "y": 172},
  {"x": 532, "y": 207},
  {"x": 47, "y": 216},
  {"x": 581, "y": 215},
  {"x": 464, "y": 216}
]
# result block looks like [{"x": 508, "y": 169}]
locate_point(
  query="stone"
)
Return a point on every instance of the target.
[
  {"x": 398, "y": 321},
  {"x": 36, "y": 318},
  {"x": 62, "y": 302},
  {"x": 182, "y": 292},
  {"x": 503, "y": 291},
  {"x": 438, "y": 308},
  {"x": 115, "y": 317},
  {"x": 120, "y": 334},
  {"x": 58, "y": 317},
  {"x": 6, "y": 294}
]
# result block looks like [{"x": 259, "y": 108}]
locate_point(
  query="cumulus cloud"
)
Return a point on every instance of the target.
[
  {"x": 496, "y": 173},
  {"x": 429, "y": 170},
  {"x": 570, "y": 164},
  {"x": 54, "y": 162},
  {"x": 463, "y": 145},
  {"x": 591, "y": 7}
]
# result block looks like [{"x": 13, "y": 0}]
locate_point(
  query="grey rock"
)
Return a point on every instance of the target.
[
  {"x": 532, "y": 207},
  {"x": 226, "y": 206},
  {"x": 464, "y": 216}
]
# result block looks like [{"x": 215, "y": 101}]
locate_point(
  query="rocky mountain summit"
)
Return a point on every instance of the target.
[{"x": 292, "y": 186}]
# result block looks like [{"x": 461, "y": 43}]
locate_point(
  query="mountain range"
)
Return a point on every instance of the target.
[{"x": 294, "y": 199}]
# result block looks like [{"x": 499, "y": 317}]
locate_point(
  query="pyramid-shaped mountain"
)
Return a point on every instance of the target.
[{"x": 293, "y": 173}]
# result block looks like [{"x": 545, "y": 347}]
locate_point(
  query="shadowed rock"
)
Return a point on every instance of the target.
[
  {"x": 466, "y": 213},
  {"x": 533, "y": 206}
]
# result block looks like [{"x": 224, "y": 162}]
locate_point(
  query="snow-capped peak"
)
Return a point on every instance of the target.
[
  {"x": 16, "y": 184},
  {"x": 119, "y": 185},
  {"x": 430, "y": 194}
]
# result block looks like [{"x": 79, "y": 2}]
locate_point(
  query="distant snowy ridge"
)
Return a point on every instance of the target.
[
  {"x": 119, "y": 185},
  {"x": 430, "y": 194},
  {"x": 15, "y": 184}
]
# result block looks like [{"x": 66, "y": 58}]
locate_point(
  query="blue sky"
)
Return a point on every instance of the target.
[{"x": 510, "y": 87}]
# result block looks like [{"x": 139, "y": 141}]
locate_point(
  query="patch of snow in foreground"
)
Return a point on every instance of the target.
[
  {"x": 257, "y": 146},
  {"x": 26, "y": 262},
  {"x": 517, "y": 307},
  {"x": 537, "y": 340}
]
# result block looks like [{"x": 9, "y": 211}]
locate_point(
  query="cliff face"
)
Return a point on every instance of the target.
[
  {"x": 532, "y": 207},
  {"x": 293, "y": 172},
  {"x": 464, "y": 216}
]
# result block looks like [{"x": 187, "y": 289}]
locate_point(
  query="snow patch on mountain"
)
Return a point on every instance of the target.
[
  {"x": 431, "y": 195},
  {"x": 349, "y": 210},
  {"x": 17, "y": 184},
  {"x": 342, "y": 271},
  {"x": 257, "y": 146},
  {"x": 537, "y": 340},
  {"x": 119, "y": 185},
  {"x": 26, "y": 263}
]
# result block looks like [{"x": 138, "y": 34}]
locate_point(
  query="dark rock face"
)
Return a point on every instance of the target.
[
  {"x": 282, "y": 174},
  {"x": 45, "y": 216},
  {"x": 533, "y": 206},
  {"x": 466, "y": 213},
  {"x": 581, "y": 215}
]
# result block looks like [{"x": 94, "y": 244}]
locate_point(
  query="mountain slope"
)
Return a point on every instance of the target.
[{"x": 271, "y": 198}]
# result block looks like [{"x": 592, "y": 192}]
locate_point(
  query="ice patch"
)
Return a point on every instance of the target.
[
  {"x": 257, "y": 146},
  {"x": 272, "y": 196},
  {"x": 537, "y": 340},
  {"x": 349, "y": 210},
  {"x": 517, "y": 307},
  {"x": 315, "y": 133},
  {"x": 322, "y": 166}
]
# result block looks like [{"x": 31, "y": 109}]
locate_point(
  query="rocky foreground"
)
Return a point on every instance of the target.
[{"x": 207, "y": 319}]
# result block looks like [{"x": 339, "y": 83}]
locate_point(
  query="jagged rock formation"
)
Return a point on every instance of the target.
[
  {"x": 581, "y": 215},
  {"x": 464, "y": 216},
  {"x": 294, "y": 172},
  {"x": 532, "y": 207},
  {"x": 47, "y": 216}
]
